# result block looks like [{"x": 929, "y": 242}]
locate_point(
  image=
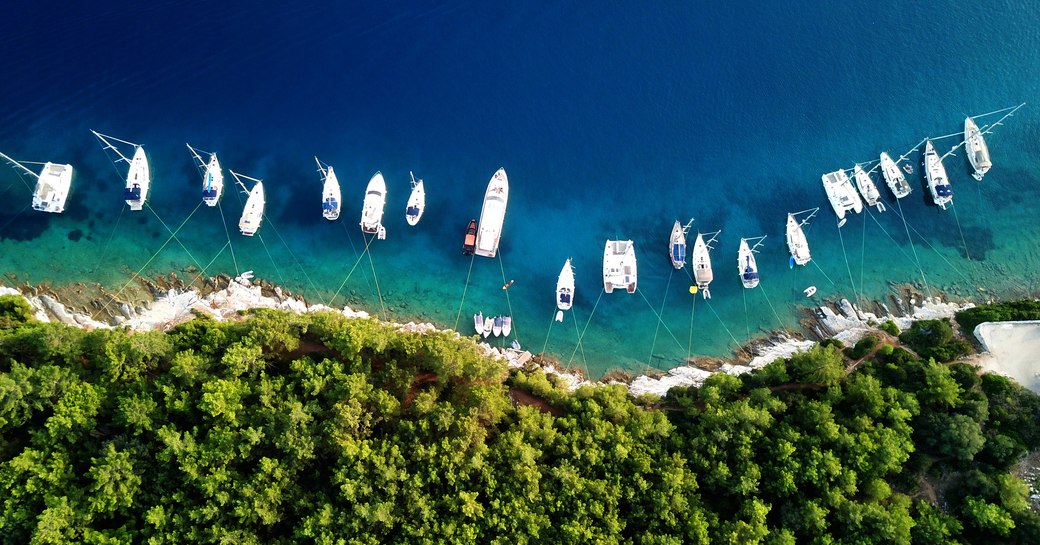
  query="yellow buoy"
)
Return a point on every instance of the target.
[{"x": 693, "y": 289}]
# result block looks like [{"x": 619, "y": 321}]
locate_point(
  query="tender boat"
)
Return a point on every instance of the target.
[
  {"x": 138, "y": 175},
  {"x": 496, "y": 326},
  {"x": 747, "y": 268},
  {"x": 253, "y": 212},
  {"x": 841, "y": 194},
  {"x": 493, "y": 214},
  {"x": 331, "y": 199},
  {"x": 796, "y": 241},
  {"x": 619, "y": 266},
  {"x": 489, "y": 324},
  {"x": 469, "y": 243},
  {"x": 677, "y": 246},
  {"x": 507, "y": 325},
  {"x": 416, "y": 201},
  {"x": 976, "y": 148},
  {"x": 52, "y": 185},
  {"x": 701, "y": 260},
  {"x": 867, "y": 188},
  {"x": 894, "y": 177},
  {"x": 372, "y": 211},
  {"x": 478, "y": 323},
  {"x": 564, "y": 290},
  {"x": 810, "y": 291},
  {"x": 935, "y": 173},
  {"x": 212, "y": 176}
]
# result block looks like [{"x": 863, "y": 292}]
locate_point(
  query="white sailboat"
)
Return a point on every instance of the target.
[
  {"x": 564, "y": 290},
  {"x": 677, "y": 244},
  {"x": 894, "y": 177},
  {"x": 797, "y": 244},
  {"x": 701, "y": 260},
  {"x": 52, "y": 185},
  {"x": 841, "y": 194},
  {"x": 375, "y": 202},
  {"x": 619, "y": 266},
  {"x": 867, "y": 188},
  {"x": 253, "y": 211},
  {"x": 331, "y": 199},
  {"x": 747, "y": 268},
  {"x": 212, "y": 176},
  {"x": 976, "y": 148},
  {"x": 138, "y": 175},
  {"x": 416, "y": 201},
  {"x": 478, "y": 323},
  {"x": 493, "y": 215},
  {"x": 935, "y": 173}
]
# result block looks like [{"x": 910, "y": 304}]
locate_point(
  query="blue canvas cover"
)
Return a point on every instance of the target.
[{"x": 132, "y": 193}]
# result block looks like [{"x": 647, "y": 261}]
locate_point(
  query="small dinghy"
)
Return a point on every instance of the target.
[
  {"x": 469, "y": 243},
  {"x": 810, "y": 291},
  {"x": 416, "y": 201},
  {"x": 496, "y": 326},
  {"x": 507, "y": 325},
  {"x": 478, "y": 323},
  {"x": 489, "y": 324}
]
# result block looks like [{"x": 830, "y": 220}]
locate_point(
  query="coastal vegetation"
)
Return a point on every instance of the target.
[{"x": 286, "y": 428}]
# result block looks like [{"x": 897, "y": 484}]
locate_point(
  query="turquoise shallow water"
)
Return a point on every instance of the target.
[{"x": 611, "y": 124}]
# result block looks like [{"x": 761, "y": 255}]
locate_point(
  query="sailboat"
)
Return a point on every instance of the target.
[
  {"x": 52, "y": 185},
  {"x": 619, "y": 266},
  {"x": 701, "y": 260},
  {"x": 894, "y": 177},
  {"x": 868, "y": 189},
  {"x": 253, "y": 211},
  {"x": 841, "y": 194},
  {"x": 976, "y": 148},
  {"x": 331, "y": 199},
  {"x": 416, "y": 201},
  {"x": 796, "y": 241},
  {"x": 138, "y": 175},
  {"x": 212, "y": 176},
  {"x": 935, "y": 173},
  {"x": 372, "y": 211},
  {"x": 564, "y": 290},
  {"x": 677, "y": 244},
  {"x": 747, "y": 268},
  {"x": 493, "y": 214},
  {"x": 478, "y": 323}
]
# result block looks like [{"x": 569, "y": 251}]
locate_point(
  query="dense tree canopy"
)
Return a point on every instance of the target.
[{"x": 318, "y": 429}]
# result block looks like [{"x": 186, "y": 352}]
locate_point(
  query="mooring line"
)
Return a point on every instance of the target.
[
  {"x": 659, "y": 319},
  {"x": 281, "y": 279},
  {"x": 848, "y": 267},
  {"x": 740, "y": 347},
  {"x": 111, "y": 236},
  {"x": 916, "y": 260},
  {"x": 297, "y": 260},
  {"x": 231, "y": 246},
  {"x": 582, "y": 347},
  {"x": 174, "y": 233},
  {"x": 344, "y": 282},
  {"x": 586, "y": 328},
  {"x": 552, "y": 318},
  {"x": 458, "y": 316},
  {"x": 770, "y": 303},
  {"x": 375, "y": 279},
  {"x": 210, "y": 264},
  {"x": 505, "y": 285},
  {"x": 658, "y": 330}
]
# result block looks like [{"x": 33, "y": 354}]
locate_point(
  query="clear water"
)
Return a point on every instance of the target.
[{"x": 612, "y": 122}]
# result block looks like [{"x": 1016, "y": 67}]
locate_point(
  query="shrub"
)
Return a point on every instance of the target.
[{"x": 890, "y": 327}]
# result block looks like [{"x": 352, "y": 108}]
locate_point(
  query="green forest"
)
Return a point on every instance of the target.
[{"x": 284, "y": 428}]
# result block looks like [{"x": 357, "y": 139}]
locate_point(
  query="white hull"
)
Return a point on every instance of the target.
[
  {"x": 747, "y": 268},
  {"x": 867, "y": 188},
  {"x": 564, "y": 290},
  {"x": 841, "y": 194},
  {"x": 138, "y": 180},
  {"x": 935, "y": 173},
  {"x": 212, "y": 182},
  {"x": 416, "y": 203},
  {"x": 52, "y": 188},
  {"x": 677, "y": 246},
  {"x": 976, "y": 148},
  {"x": 701, "y": 260},
  {"x": 496, "y": 326},
  {"x": 796, "y": 242},
  {"x": 331, "y": 199},
  {"x": 619, "y": 266},
  {"x": 375, "y": 202},
  {"x": 253, "y": 213},
  {"x": 894, "y": 177},
  {"x": 507, "y": 325},
  {"x": 478, "y": 323},
  {"x": 489, "y": 324},
  {"x": 492, "y": 215}
]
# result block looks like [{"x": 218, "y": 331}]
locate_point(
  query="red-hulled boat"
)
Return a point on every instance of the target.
[{"x": 469, "y": 244}]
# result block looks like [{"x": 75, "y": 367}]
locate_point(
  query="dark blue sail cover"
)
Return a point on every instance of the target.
[
  {"x": 209, "y": 193},
  {"x": 944, "y": 190},
  {"x": 329, "y": 205},
  {"x": 565, "y": 298},
  {"x": 678, "y": 252},
  {"x": 412, "y": 211},
  {"x": 132, "y": 193},
  {"x": 750, "y": 274}
]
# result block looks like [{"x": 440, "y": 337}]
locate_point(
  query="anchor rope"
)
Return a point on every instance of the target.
[
  {"x": 747, "y": 321},
  {"x": 208, "y": 265},
  {"x": 660, "y": 320},
  {"x": 174, "y": 233},
  {"x": 15, "y": 216},
  {"x": 689, "y": 346},
  {"x": 227, "y": 233},
  {"x": 863, "y": 255},
  {"x": 375, "y": 278},
  {"x": 913, "y": 248},
  {"x": 658, "y": 330},
  {"x": 458, "y": 316},
  {"x": 111, "y": 236},
  {"x": 509, "y": 303},
  {"x": 770, "y": 303},
  {"x": 848, "y": 267},
  {"x": 740, "y": 347},
  {"x": 817, "y": 265},
  {"x": 552, "y": 318},
  {"x": 296, "y": 259},
  {"x": 586, "y": 328},
  {"x": 581, "y": 347},
  {"x": 281, "y": 279},
  {"x": 937, "y": 252},
  {"x": 344, "y": 282}
]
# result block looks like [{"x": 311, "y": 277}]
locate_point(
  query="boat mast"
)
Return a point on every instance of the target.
[
  {"x": 104, "y": 138},
  {"x": 686, "y": 228},
  {"x": 322, "y": 168},
  {"x": 758, "y": 242},
  {"x": 238, "y": 179},
  {"x": 19, "y": 165},
  {"x": 713, "y": 236}
]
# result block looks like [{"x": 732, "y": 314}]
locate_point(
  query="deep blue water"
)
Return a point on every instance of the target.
[{"x": 611, "y": 121}]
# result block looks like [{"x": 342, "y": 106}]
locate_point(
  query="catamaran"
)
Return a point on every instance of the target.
[
  {"x": 212, "y": 176},
  {"x": 867, "y": 188},
  {"x": 52, "y": 185},
  {"x": 416, "y": 201},
  {"x": 331, "y": 199},
  {"x": 747, "y": 268},
  {"x": 796, "y": 241},
  {"x": 564, "y": 290},
  {"x": 935, "y": 173},
  {"x": 894, "y": 177},
  {"x": 372, "y": 211},
  {"x": 619, "y": 266},
  {"x": 841, "y": 194},
  {"x": 138, "y": 175},
  {"x": 701, "y": 260},
  {"x": 253, "y": 211},
  {"x": 493, "y": 214},
  {"x": 976, "y": 148},
  {"x": 677, "y": 244}
]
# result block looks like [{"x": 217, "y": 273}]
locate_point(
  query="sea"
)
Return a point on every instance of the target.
[{"x": 612, "y": 119}]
